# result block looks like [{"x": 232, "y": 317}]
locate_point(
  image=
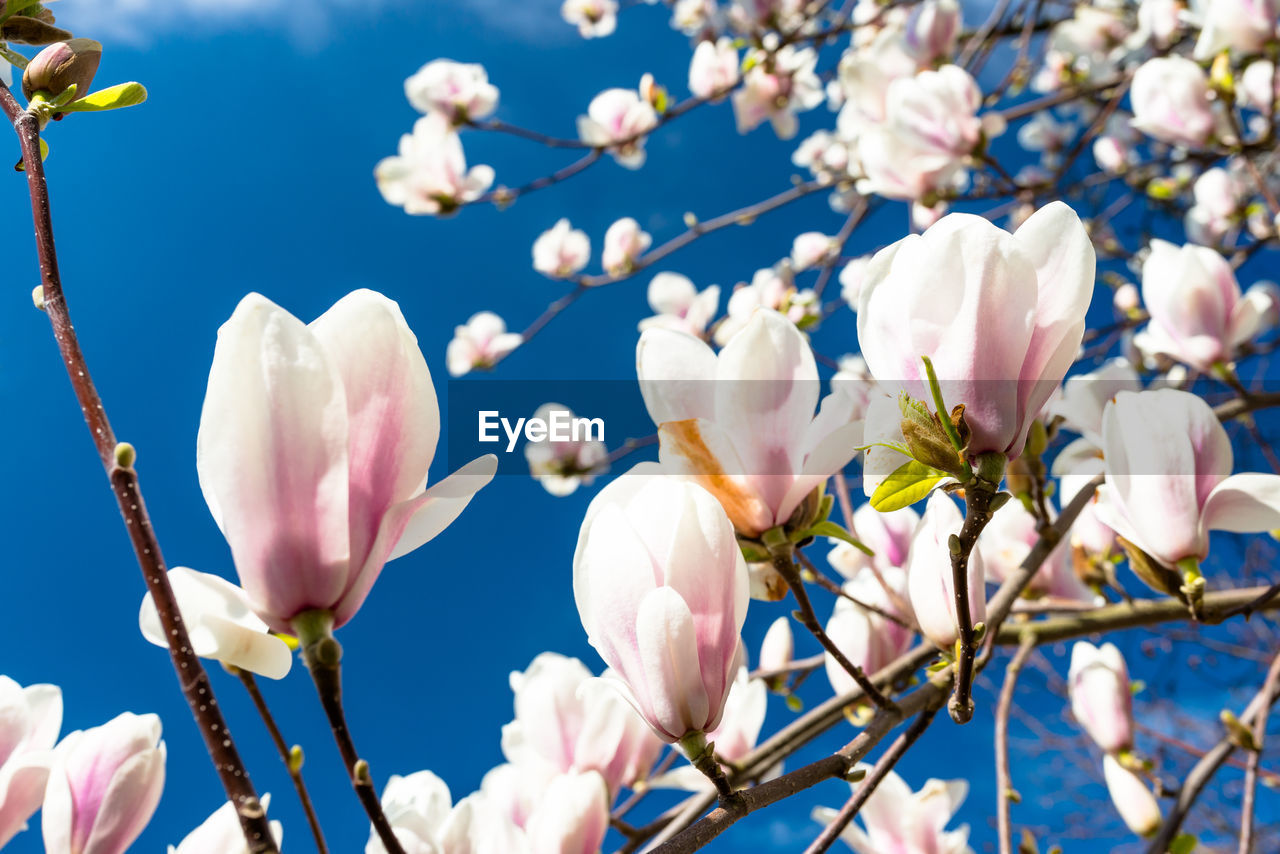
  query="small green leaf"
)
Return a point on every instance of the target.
[
  {"x": 44, "y": 155},
  {"x": 1183, "y": 843},
  {"x": 112, "y": 98},
  {"x": 911, "y": 481},
  {"x": 828, "y": 528}
]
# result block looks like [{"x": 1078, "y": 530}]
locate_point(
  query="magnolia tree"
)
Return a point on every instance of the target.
[{"x": 1059, "y": 355}]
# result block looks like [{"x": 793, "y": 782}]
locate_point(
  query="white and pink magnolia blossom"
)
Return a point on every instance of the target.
[
  {"x": 779, "y": 645},
  {"x": 742, "y": 423},
  {"x": 900, "y": 820},
  {"x": 1080, "y": 406},
  {"x": 1219, "y": 196},
  {"x": 775, "y": 87},
  {"x": 593, "y": 18},
  {"x": 714, "y": 68},
  {"x": 680, "y": 306},
  {"x": 221, "y": 624},
  {"x": 30, "y": 718},
  {"x": 888, "y": 535},
  {"x": 572, "y": 816},
  {"x": 1005, "y": 543},
  {"x": 1168, "y": 465},
  {"x": 824, "y": 154},
  {"x": 1132, "y": 797},
  {"x": 930, "y": 127},
  {"x": 568, "y": 720},
  {"x": 1244, "y": 26},
  {"x": 932, "y": 29},
  {"x": 313, "y": 450},
  {"x": 560, "y": 464},
  {"x": 425, "y": 820},
  {"x": 430, "y": 175},
  {"x": 1101, "y": 699},
  {"x": 662, "y": 591},
  {"x": 624, "y": 242},
  {"x": 1001, "y": 316},
  {"x": 1198, "y": 315},
  {"x": 1170, "y": 98},
  {"x": 480, "y": 343},
  {"x": 811, "y": 249},
  {"x": 561, "y": 250},
  {"x": 1257, "y": 85},
  {"x": 221, "y": 833},
  {"x": 459, "y": 90},
  {"x": 617, "y": 120},
  {"x": 1159, "y": 22},
  {"x": 770, "y": 288},
  {"x": 930, "y": 584},
  {"x": 1127, "y": 298},
  {"x": 869, "y": 639},
  {"x": 748, "y": 15},
  {"x": 104, "y": 784},
  {"x": 693, "y": 16},
  {"x": 852, "y": 277}
]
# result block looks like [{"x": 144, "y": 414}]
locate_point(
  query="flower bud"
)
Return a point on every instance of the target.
[
  {"x": 61, "y": 65},
  {"x": 1133, "y": 800}
]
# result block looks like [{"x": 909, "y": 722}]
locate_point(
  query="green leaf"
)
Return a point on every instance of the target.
[
  {"x": 44, "y": 155},
  {"x": 112, "y": 98},
  {"x": 1183, "y": 843},
  {"x": 828, "y": 528},
  {"x": 911, "y": 481}
]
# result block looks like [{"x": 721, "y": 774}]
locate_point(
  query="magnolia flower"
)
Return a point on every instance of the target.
[
  {"x": 480, "y": 343},
  {"x": 1005, "y": 544},
  {"x": 811, "y": 249},
  {"x": 824, "y": 154},
  {"x": 930, "y": 583},
  {"x": 1257, "y": 85},
  {"x": 221, "y": 624},
  {"x": 1088, "y": 535},
  {"x": 593, "y": 18},
  {"x": 1170, "y": 97},
  {"x": 692, "y": 16},
  {"x": 1080, "y": 406},
  {"x": 1245, "y": 26},
  {"x": 221, "y": 833},
  {"x": 930, "y": 126},
  {"x": 1218, "y": 196},
  {"x": 617, "y": 120},
  {"x": 459, "y": 90},
  {"x": 562, "y": 465},
  {"x": 770, "y": 288},
  {"x": 775, "y": 88},
  {"x": 624, "y": 242},
  {"x": 661, "y": 589},
  {"x": 744, "y": 713},
  {"x": 900, "y": 820},
  {"x": 314, "y": 445},
  {"x": 713, "y": 71},
  {"x": 424, "y": 819},
  {"x": 852, "y": 277},
  {"x": 778, "y": 646},
  {"x": 29, "y": 722},
  {"x": 1100, "y": 696},
  {"x": 572, "y": 818},
  {"x": 567, "y": 720},
  {"x": 1197, "y": 313},
  {"x": 1133, "y": 799},
  {"x": 680, "y": 306},
  {"x": 1168, "y": 477},
  {"x": 1001, "y": 316},
  {"x": 741, "y": 423},
  {"x": 103, "y": 787},
  {"x": 867, "y": 638},
  {"x": 1158, "y": 22},
  {"x": 887, "y": 535},
  {"x": 932, "y": 29},
  {"x": 429, "y": 175},
  {"x": 561, "y": 250}
]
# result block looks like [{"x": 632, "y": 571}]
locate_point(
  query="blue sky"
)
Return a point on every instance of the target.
[{"x": 250, "y": 168}]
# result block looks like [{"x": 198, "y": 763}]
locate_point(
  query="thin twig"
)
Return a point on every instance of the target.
[{"x": 1004, "y": 779}]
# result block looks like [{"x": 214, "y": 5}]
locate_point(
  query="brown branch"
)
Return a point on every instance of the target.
[
  {"x": 1005, "y": 792},
  {"x": 1247, "y": 817}
]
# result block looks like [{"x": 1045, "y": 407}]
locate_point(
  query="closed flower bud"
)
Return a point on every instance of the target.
[
  {"x": 1133, "y": 800},
  {"x": 73, "y": 62},
  {"x": 1100, "y": 695}
]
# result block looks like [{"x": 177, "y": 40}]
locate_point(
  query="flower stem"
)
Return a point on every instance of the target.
[
  {"x": 702, "y": 755},
  {"x": 977, "y": 502}
]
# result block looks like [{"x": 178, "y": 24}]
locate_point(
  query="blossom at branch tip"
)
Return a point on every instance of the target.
[
  {"x": 1219, "y": 198},
  {"x": 1168, "y": 464},
  {"x": 932, "y": 29},
  {"x": 572, "y": 818},
  {"x": 1132, "y": 797},
  {"x": 1198, "y": 315},
  {"x": 770, "y": 288},
  {"x": 421, "y": 812},
  {"x": 1000, "y": 315},
  {"x": 852, "y": 277},
  {"x": 1171, "y": 101},
  {"x": 30, "y": 718},
  {"x": 778, "y": 646},
  {"x": 887, "y": 535},
  {"x": 430, "y": 175},
  {"x": 220, "y": 623},
  {"x": 314, "y": 445},
  {"x": 662, "y": 591},
  {"x": 1101, "y": 699},
  {"x": 1257, "y": 85},
  {"x": 617, "y": 120},
  {"x": 930, "y": 583},
  {"x": 825, "y": 155},
  {"x": 1159, "y": 22},
  {"x": 775, "y": 87},
  {"x": 900, "y": 820},
  {"x": 1244, "y": 26},
  {"x": 869, "y": 639},
  {"x": 1080, "y": 406},
  {"x": 624, "y": 242},
  {"x": 593, "y": 18},
  {"x": 459, "y": 90},
  {"x": 221, "y": 833},
  {"x": 692, "y": 16},
  {"x": 742, "y": 423},
  {"x": 568, "y": 720},
  {"x": 480, "y": 343},
  {"x": 561, "y": 251},
  {"x": 104, "y": 785},
  {"x": 714, "y": 68},
  {"x": 811, "y": 249},
  {"x": 679, "y": 305},
  {"x": 1006, "y": 542},
  {"x": 562, "y": 465}
]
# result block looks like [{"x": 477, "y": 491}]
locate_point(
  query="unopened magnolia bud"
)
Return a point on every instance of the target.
[
  {"x": 926, "y": 438},
  {"x": 58, "y": 66},
  {"x": 1126, "y": 298}
]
